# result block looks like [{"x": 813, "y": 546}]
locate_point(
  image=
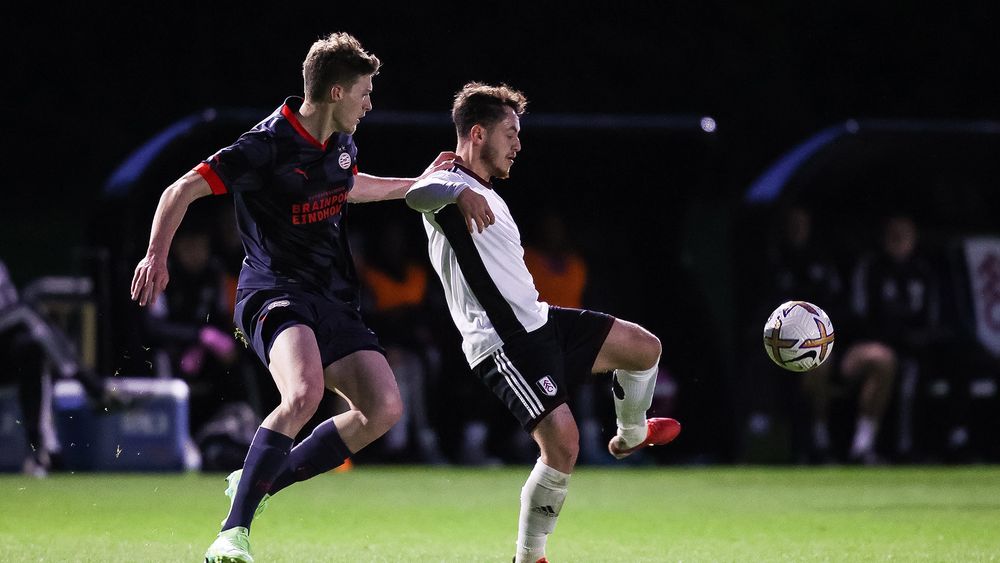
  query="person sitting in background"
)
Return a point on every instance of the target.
[
  {"x": 192, "y": 326},
  {"x": 801, "y": 270},
  {"x": 29, "y": 342},
  {"x": 896, "y": 302}
]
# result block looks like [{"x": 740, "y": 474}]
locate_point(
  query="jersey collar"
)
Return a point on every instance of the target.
[
  {"x": 288, "y": 109},
  {"x": 475, "y": 176}
]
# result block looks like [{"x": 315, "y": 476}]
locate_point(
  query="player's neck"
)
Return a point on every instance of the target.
[
  {"x": 470, "y": 159},
  {"x": 317, "y": 120}
]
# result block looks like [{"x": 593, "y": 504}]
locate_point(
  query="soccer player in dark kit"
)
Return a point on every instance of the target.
[{"x": 292, "y": 177}]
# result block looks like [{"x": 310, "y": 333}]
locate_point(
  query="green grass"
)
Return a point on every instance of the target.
[{"x": 450, "y": 514}]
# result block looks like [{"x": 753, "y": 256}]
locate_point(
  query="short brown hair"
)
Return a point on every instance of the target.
[
  {"x": 336, "y": 58},
  {"x": 478, "y": 103}
]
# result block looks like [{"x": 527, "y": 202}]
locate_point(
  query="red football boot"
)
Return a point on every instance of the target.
[{"x": 659, "y": 431}]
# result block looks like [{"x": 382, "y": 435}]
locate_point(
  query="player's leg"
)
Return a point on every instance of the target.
[
  {"x": 297, "y": 371},
  {"x": 634, "y": 354},
  {"x": 366, "y": 381},
  {"x": 545, "y": 490},
  {"x": 528, "y": 373},
  {"x": 875, "y": 364},
  {"x": 296, "y": 368}
]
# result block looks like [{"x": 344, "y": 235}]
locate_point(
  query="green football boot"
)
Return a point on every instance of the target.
[
  {"x": 231, "y": 546},
  {"x": 233, "y": 483}
]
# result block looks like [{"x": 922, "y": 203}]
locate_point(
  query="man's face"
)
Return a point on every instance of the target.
[
  {"x": 502, "y": 145},
  {"x": 354, "y": 103}
]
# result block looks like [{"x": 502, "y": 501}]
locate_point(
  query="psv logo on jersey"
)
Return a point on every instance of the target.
[
  {"x": 547, "y": 386},
  {"x": 344, "y": 160}
]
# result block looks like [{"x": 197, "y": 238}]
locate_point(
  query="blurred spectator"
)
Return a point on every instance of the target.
[
  {"x": 192, "y": 325},
  {"x": 395, "y": 307},
  {"x": 560, "y": 273},
  {"x": 896, "y": 300},
  {"x": 863, "y": 366},
  {"x": 28, "y": 344}
]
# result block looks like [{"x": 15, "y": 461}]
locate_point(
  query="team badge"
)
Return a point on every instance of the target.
[
  {"x": 344, "y": 160},
  {"x": 547, "y": 386},
  {"x": 282, "y": 303}
]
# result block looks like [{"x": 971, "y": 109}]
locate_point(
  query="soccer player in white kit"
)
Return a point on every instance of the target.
[{"x": 523, "y": 349}]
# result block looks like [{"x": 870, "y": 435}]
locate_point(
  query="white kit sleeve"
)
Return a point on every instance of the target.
[{"x": 433, "y": 193}]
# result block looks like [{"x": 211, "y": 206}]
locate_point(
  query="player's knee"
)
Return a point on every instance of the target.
[
  {"x": 652, "y": 348},
  {"x": 560, "y": 445},
  {"x": 561, "y": 454},
  {"x": 645, "y": 349},
  {"x": 390, "y": 411},
  {"x": 302, "y": 401},
  {"x": 381, "y": 414}
]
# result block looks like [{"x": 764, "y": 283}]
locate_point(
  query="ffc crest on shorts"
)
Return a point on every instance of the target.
[{"x": 547, "y": 386}]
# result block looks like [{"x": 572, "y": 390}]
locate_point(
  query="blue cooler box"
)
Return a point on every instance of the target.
[{"x": 148, "y": 436}]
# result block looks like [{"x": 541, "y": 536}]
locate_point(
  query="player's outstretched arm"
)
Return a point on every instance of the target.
[
  {"x": 376, "y": 188},
  {"x": 369, "y": 188},
  {"x": 151, "y": 276}
]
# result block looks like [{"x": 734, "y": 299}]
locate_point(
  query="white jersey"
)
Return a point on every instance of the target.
[{"x": 489, "y": 290}]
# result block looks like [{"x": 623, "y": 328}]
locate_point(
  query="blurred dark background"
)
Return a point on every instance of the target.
[{"x": 616, "y": 142}]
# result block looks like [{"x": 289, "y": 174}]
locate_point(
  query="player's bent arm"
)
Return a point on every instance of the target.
[
  {"x": 431, "y": 194},
  {"x": 151, "y": 273}
]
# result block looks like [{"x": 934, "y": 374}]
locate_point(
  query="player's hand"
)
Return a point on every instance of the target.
[
  {"x": 150, "y": 280},
  {"x": 444, "y": 161},
  {"x": 475, "y": 209}
]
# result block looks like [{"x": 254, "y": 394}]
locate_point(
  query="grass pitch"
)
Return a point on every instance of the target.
[{"x": 469, "y": 514}]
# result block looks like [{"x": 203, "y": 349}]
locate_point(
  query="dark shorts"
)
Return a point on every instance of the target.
[
  {"x": 529, "y": 372},
  {"x": 262, "y": 314}
]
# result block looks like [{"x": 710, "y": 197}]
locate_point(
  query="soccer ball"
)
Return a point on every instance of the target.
[{"x": 798, "y": 336}]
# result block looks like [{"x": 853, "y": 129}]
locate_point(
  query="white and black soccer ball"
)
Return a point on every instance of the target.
[{"x": 798, "y": 336}]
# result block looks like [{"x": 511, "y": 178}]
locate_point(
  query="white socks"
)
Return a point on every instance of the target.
[
  {"x": 541, "y": 501},
  {"x": 633, "y": 393}
]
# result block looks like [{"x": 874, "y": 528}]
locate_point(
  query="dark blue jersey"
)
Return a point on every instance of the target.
[{"x": 290, "y": 193}]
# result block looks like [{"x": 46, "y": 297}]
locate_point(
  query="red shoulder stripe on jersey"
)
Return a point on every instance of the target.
[
  {"x": 214, "y": 182},
  {"x": 354, "y": 170},
  {"x": 290, "y": 116}
]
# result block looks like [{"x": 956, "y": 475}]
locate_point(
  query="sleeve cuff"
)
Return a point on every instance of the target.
[{"x": 213, "y": 179}]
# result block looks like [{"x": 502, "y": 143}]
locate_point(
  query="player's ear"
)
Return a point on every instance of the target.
[
  {"x": 336, "y": 92},
  {"x": 477, "y": 133}
]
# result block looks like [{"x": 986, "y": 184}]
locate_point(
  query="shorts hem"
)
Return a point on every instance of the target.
[
  {"x": 371, "y": 347},
  {"x": 533, "y": 423}
]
